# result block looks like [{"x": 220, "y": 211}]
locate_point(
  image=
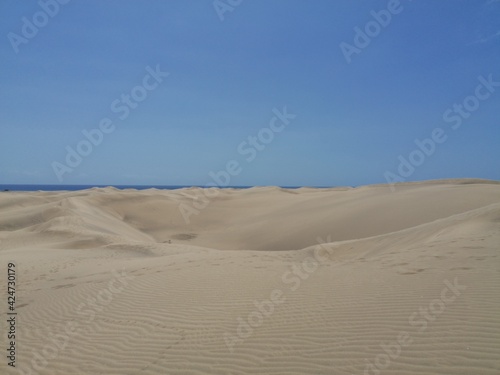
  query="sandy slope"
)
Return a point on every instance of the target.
[{"x": 116, "y": 282}]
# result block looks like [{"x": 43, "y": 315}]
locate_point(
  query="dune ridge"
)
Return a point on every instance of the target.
[{"x": 356, "y": 269}]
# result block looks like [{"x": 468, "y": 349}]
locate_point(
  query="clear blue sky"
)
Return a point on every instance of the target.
[{"x": 353, "y": 119}]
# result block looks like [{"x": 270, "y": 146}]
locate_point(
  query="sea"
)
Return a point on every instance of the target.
[{"x": 14, "y": 187}]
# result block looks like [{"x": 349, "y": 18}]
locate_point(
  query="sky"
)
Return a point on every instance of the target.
[{"x": 248, "y": 92}]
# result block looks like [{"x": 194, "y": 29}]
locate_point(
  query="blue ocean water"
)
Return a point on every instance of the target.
[{"x": 14, "y": 187}]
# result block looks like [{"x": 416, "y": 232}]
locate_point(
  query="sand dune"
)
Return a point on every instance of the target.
[{"x": 259, "y": 281}]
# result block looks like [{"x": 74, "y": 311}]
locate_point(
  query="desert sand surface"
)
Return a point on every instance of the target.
[{"x": 263, "y": 280}]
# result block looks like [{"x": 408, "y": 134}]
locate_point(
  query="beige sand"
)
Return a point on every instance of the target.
[{"x": 116, "y": 282}]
